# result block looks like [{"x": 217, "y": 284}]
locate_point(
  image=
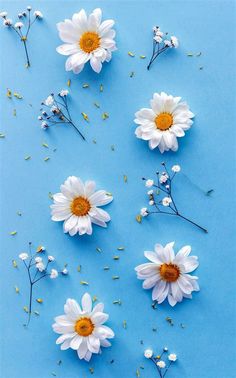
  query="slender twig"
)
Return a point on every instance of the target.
[{"x": 173, "y": 209}]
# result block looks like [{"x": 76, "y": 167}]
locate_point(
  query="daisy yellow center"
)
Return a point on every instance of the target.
[
  {"x": 169, "y": 272},
  {"x": 89, "y": 41},
  {"x": 164, "y": 121},
  {"x": 84, "y": 327},
  {"x": 80, "y": 206}
]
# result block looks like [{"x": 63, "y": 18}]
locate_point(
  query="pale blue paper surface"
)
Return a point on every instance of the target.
[{"x": 205, "y": 346}]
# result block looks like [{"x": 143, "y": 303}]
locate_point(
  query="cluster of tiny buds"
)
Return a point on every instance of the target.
[
  {"x": 18, "y": 25},
  {"x": 172, "y": 357},
  {"x": 160, "y": 37},
  {"x": 163, "y": 180},
  {"x": 39, "y": 264},
  {"x": 50, "y": 102}
]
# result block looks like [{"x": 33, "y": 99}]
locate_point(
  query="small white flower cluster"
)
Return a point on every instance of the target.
[
  {"x": 37, "y": 269},
  {"x": 164, "y": 180},
  {"x": 161, "y": 364},
  {"x": 40, "y": 265},
  {"x": 58, "y": 111},
  {"x": 18, "y": 25},
  {"x": 161, "y": 43},
  {"x": 159, "y": 38}
]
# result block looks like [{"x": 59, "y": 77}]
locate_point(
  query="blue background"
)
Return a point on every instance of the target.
[{"x": 205, "y": 345}]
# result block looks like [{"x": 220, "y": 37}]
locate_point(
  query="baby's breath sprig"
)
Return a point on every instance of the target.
[
  {"x": 38, "y": 268},
  {"x": 19, "y": 25},
  {"x": 58, "y": 111},
  {"x": 163, "y": 186},
  {"x": 162, "y": 364},
  {"x": 161, "y": 43}
]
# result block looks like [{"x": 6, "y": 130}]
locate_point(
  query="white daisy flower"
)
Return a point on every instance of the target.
[
  {"x": 53, "y": 274},
  {"x": 161, "y": 125},
  {"x": 23, "y": 256},
  {"x": 77, "y": 205},
  {"x": 82, "y": 328},
  {"x": 168, "y": 274},
  {"x": 161, "y": 364},
  {"x": 86, "y": 39},
  {"x": 172, "y": 357},
  {"x": 3, "y": 14},
  {"x": 148, "y": 353}
]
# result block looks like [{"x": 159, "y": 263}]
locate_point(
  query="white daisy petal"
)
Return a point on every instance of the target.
[
  {"x": 76, "y": 342},
  {"x": 86, "y": 302},
  {"x": 95, "y": 64},
  {"x": 67, "y": 49},
  {"x": 100, "y": 198}
]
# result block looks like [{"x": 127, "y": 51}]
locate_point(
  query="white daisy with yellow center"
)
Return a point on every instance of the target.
[
  {"x": 168, "y": 274},
  {"x": 77, "y": 205},
  {"x": 82, "y": 328},
  {"x": 164, "y": 122},
  {"x": 86, "y": 39}
]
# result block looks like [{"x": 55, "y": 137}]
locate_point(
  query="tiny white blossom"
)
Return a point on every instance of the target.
[
  {"x": 161, "y": 364},
  {"x": 166, "y": 201},
  {"x": 155, "y": 29},
  {"x": 54, "y": 273},
  {"x": 159, "y": 33},
  {"x": 167, "y": 43},
  {"x": 65, "y": 271},
  {"x": 51, "y": 258},
  {"x": 149, "y": 183},
  {"x": 49, "y": 100},
  {"x": 165, "y": 349},
  {"x": 44, "y": 125},
  {"x": 144, "y": 211},
  {"x": 38, "y": 259},
  {"x": 29, "y": 8},
  {"x": 63, "y": 92},
  {"x": 7, "y": 22},
  {"x": 148, "y": 353},
  {"x": 172, "y": 357},
  {"x": 23, "y": 256},
  {"x": 163, "y": 178},
  {"x": 157, "y": 39},
  {"x": 19, "y": 25},
  {"x": 174, "y": 41},
  {"x": 38, "y": 14},
  {"x": 167, "y": 186},
  {"x": 176, "y": 168},
  {"x": 55, "y": 109},
  {"x": 3, "y": 14},
  {"x": 20, "y": 15},
  {"x": 40, "y": 266},
  {"x": 150, "y": 192},
  {"x": 151, "y": 203},
  {"x": 40, "y": 118}
]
